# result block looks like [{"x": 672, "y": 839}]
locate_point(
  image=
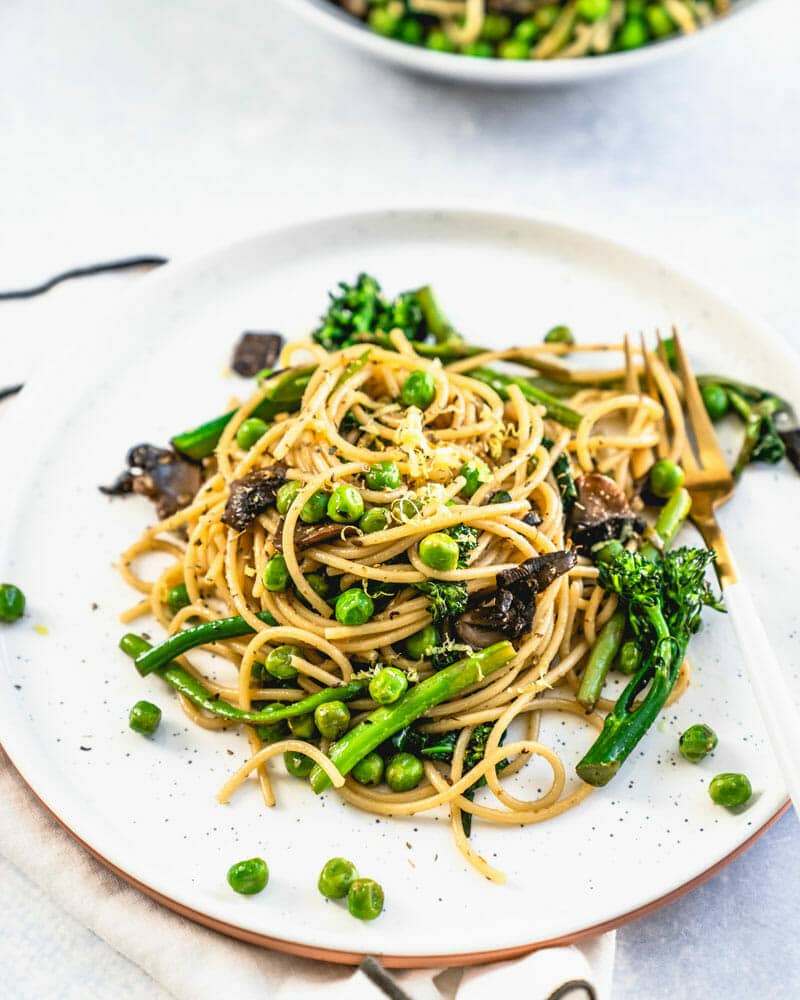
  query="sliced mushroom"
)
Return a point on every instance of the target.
[
  {"x": 601, "y": 512},
  {"x": 540, "y": 571},
  {"x": 256, "y": 351},
  {"x": 251, "y": 495},
  {"x": 507, "y": 611},
  {"x": 159, "y": 474},
  {"x": 306, "y": 536}
]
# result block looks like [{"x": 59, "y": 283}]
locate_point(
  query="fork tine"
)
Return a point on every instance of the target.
[
  {"x": 631, "y": 378},
  {"x": 711, "y": 457},
  {"x": 662, "y": 449}
]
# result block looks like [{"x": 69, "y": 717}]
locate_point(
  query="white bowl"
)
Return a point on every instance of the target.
[{"x": 498, "y": 72}]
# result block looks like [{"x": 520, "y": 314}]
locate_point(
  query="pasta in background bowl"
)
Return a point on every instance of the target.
[{"x": 520, "y": 42}]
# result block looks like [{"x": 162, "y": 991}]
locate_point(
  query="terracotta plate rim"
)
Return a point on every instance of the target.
[{"x": 459, "y": 960}]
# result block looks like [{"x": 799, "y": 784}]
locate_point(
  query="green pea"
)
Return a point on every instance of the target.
[
  {"x": 318, "y": 583},
  {"x": 439, "y": 41},
  {"x": 410, "y": 31},
  {"x": 527, "y": 31},
  {"x": 495, "y": 27},
  {"x": 405, "y": 509},
  {"x": 354, "y": 607},
  {"x": 658, "y": 20},
  {"x": 559, "y": 335},
  {"x": 302, "y": 727},
  {"x": 633, "y": 34},
  {"x": 547, "y": 16},
  {"x": 716, "y": 401},
  {"x": 276, "y": 574},
  {"x": 287, "y": 495},
  {"x": 365, "y": 899},
  {"x": 513, "y": 48},
  {"x": 608, "y": 552},
  {"x": 420, "y": 644},
  {"x": 383, "y": 21},
  {"x": 12, "y": 602},
  {"x": 315, "y": 508},
  {"x": 332, "y": 719},
  {"x": 635, "y": 7},
  {"x": 272, "y": 733},
  {"x": 248, "y": 877},
  {"x": 419, "y": 389},
  {"x": 478, "y": 50},
  {"x": 730, "y": 789},
  {"x": 279, "y": 662},
  {"x": 345, "y": 505},
  {"x": 369, "y": 770},
  {"x": 500, "y": 496},
  {"x": 144, "y": 718},
  {"x": 439, "y": 551},
  {"x": 593, "y": 10},
  {"x": 250, "y": 431},
  {"x": 298, "y": 764},
  {"x": 697, "y": 742},
  {"x": 388, "y": 685},
  {"x": 666, "y": 477},
  {"x": 630, "y": 656},
  {"x": 404, "y": 772},
  {"x": 476, "y": 474},
  {"x": 336, "y": 877},
  {"x": 178, "y": 598},
  {"x": 375, "y": 519},
  {"x": 383, "y": 476}
]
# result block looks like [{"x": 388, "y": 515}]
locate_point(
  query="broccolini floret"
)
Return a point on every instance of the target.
[
  {"x": 355, "y": 311},
  {"x": 663, "y": 601},
  {"x": 447, "y": 600}
]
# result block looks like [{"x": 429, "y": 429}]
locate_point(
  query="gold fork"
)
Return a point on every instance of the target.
[{"x": 710, "y": 483}]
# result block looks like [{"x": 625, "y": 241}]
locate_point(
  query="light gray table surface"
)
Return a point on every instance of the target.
[{"x": 177, "y": 125}]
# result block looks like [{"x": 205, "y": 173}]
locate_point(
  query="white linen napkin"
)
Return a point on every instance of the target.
[{"x": 193, "y": 963}]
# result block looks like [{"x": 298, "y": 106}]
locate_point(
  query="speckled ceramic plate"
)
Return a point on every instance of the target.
[
  {"x": 337, "y": 23},
  {"x": 146, "y": 807}
]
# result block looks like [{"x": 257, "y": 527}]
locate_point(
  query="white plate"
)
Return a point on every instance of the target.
[
  {"x": 497, "y": 72},
  {"x": 147, "y": 806}
]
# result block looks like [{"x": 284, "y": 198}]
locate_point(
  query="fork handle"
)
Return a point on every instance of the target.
[{"x": 775, "y": 700}]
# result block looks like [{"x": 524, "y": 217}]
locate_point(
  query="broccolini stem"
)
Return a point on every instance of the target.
[
  {"x": 187, "y": 685},
  {"x": 624, "y": 725},
  {"x": 603, "y": 654},
  {"x": 385, "y": 721},
  {"x": 156, "y": 657},
  {"x": 435, "y": 319}
]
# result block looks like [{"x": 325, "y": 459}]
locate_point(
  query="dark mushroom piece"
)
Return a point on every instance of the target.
[
  {"x": 159, "y": 474},
  {"x": 307, "y": 536},
  {"x": 791, "y": 441},
  {"x": 601, "y": 512},
  {"x": 256, "y": 351},
  {"x": 251, "y": 495},
  {"x": 506, "y": 612}
]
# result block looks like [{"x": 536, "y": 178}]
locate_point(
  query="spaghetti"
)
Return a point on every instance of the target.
[{"x": 351, "y": 415}]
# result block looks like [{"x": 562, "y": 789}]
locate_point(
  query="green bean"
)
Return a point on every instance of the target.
[
  {"x": 556, "y": 410},
  {"x": 669, "y": 523},
  {"x": 385, "y": 721},
  {"x": 197, "y": 635},
  {"x": 603, "y": 653},
  {"x": 285, "y": 395},
  {"x": 187, "y": 685}
]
